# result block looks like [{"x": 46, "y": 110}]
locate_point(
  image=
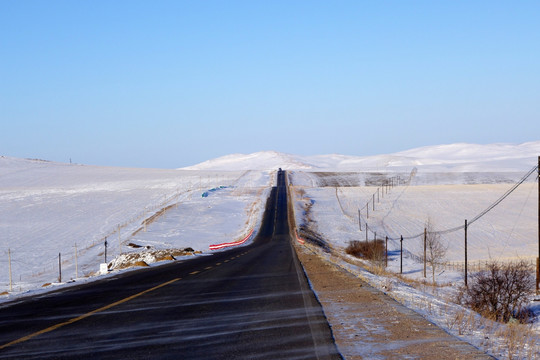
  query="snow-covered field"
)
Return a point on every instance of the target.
[
  {"x": 508, "y": 231},
  {"x": 50, "y": 208},
  {"x": 47, "y": 209}
]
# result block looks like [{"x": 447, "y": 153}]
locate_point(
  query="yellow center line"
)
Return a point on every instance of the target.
[
  {"x": 207, "y": 268},
  {"x": 84, "y": 316},
  {"x": 217, "y": 264},
  {"x": 194, "y": 272},
  {"x": 226, "y": 261}
]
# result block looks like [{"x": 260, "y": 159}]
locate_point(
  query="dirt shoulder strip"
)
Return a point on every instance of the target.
[{"x": 367, "y": 324}]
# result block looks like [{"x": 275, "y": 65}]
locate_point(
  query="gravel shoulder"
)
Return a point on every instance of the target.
[{"x": 367, "y": 324}]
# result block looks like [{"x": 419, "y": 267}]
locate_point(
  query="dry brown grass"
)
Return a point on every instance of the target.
[
  {"x": 520, "y": 341},
  {"x": 369, "y": 250}
]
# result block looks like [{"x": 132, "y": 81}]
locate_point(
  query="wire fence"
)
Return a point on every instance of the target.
[
  {"x": 51, "y": 267},
  {"x": 470, "y": 222},
  {"x": 478, "y": 265},
  {"x": 373, "y": 233}
]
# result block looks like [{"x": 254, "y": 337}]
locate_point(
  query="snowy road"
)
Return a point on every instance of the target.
[{"x": 252, "y": 302}]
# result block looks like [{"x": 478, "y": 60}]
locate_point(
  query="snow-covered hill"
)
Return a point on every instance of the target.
[
  {"x": 442, "y": 158},
  {"x": 263, "y": 160}
]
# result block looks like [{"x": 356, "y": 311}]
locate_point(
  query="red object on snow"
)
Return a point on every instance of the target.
[
  {"x": 235, "y": 243},
  {"x": 300, "y": 240}
]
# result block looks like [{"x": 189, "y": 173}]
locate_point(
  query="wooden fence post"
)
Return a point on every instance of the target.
[
  {"x": 76, "y": 263},
  {"x": 366, "y": 233},
  {"x": 10, "y": 273},
  {"x": 386, "y": 252},
  {"x": 401, "y": 255},
  {"x": 119, "y": 241},
  {"x": 59, "y": 267},
  {"x": 425, "y": 258},
  {"x": 367, "y": 210},
  {"x": 466, "y": 253}
]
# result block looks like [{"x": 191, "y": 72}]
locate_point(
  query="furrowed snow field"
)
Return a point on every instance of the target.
[{"x": 50, "y": 208}]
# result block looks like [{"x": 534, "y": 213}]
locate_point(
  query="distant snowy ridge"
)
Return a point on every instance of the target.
[
  {"x": 263, "y": 160},
  {"x": 461, "y": 157}
]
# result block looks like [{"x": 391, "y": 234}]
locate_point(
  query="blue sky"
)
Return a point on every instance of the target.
[{"x": 172, "y": 83}]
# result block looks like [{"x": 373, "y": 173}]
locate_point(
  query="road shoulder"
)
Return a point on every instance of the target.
[{"x": 368, "y": 324}]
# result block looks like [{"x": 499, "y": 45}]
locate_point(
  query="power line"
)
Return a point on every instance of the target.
[
  {"x": 504, "y": 196},
  {"x": 477, "y": 217}
]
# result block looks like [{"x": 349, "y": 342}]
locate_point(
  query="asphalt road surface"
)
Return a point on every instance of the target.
[{"x": 252, "y": 302}]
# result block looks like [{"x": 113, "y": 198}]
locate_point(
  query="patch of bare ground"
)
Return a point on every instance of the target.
[{"x": 367, "y": 324}]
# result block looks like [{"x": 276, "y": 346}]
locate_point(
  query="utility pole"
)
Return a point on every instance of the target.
[
  {"x": 359, "y": 220},
  {"x": 105, "y": 249},
  {"x": 10, "y": 274},
  {"x": 466, "y": 253},
  {"x": 538, "y": 259}
]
